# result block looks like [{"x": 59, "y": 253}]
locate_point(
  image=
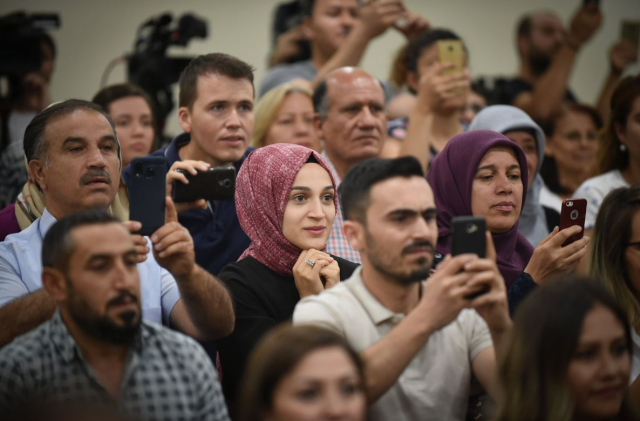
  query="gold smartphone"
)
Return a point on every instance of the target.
[{"x": 451, "y": 51}]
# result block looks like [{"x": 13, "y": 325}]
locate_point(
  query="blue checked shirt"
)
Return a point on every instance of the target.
[
  {"x": 337, "y": 243},
  {"x": 167, "y": 375}
]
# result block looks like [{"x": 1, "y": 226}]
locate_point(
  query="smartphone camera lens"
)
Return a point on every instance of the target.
[
  {"x": 138, "y": 170},
  {"x": 471, "y": 228},
  {"x": 226, "y": 183},
  {"x": 569, "y": 203},
  {"x": 150, "y": 173}
]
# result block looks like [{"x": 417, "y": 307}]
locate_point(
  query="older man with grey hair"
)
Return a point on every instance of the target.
[
  {"x": 351, "y": 120},
  {"x": 73, "y": 156}
]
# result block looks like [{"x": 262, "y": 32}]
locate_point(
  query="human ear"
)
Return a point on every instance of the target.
[
  {"x": 55, "y": 283},
  {"x": 36, "y": 170},
  {"x": 412, "y": 80},
  {"x": 620, "y": 133},
  {"x": 184, "y": 118},
  {"x": 354, "y": 232}
]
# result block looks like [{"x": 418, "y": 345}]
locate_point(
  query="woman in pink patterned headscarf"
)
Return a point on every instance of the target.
[{"x": 286, "y": 202}]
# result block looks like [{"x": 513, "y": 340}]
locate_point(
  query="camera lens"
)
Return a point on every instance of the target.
[
  {"x": 138, "y": 170},
  {"x": 569, "y": 203},
  {"x": 226, "y": 183}
]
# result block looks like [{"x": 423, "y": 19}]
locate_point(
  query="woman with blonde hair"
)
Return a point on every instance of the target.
[
  {"x": 285, "y": 115},
  {"x": 615, "y": 257}
]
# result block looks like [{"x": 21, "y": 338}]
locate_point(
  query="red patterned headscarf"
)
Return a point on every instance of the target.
[{"x": 263, "y": 187}]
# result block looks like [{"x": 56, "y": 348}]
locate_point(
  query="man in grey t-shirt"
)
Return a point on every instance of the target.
[
  {"x": 420, "y": 342},
  {"x": 339, "y": 32}
]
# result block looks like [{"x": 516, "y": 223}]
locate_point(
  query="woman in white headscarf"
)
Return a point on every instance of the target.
[{"x": 536, "y": 221}]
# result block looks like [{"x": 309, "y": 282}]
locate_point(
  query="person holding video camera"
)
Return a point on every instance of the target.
[{"x": 339, "y": 33}]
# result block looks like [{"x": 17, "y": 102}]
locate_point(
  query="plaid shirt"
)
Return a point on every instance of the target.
[
  {"x": 13, "y": 173},
  {"x": 167, "y": 376},
  {"x": 337, "y": 243}
]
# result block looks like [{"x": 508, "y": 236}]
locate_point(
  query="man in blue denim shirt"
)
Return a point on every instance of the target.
[{"x": 216, "y": 114}]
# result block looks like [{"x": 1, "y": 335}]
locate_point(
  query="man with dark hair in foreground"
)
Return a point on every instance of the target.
[
  {"x": 96, "y": 349},
  {"x": 420, "y": 342}
]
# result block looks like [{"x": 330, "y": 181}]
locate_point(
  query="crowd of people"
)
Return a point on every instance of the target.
[{"x": 329, "y": 287}]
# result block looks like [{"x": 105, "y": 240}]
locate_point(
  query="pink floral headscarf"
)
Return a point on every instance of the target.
[{"x": 263, "y": 187}]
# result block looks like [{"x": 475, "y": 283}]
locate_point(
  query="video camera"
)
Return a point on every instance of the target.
[
  {"x": 21, "y": 37},
  {"x": 151, "y": 69}
]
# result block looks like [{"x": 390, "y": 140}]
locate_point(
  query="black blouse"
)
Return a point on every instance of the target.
[{"x": 262, "y": 299}]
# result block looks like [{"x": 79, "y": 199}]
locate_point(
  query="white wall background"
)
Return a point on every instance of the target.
[{"x": 93, "y": 32}]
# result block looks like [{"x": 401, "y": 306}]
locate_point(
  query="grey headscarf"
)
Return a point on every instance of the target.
[{"x": 505, "y": 118}]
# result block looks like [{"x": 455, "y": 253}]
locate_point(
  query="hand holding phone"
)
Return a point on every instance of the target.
[
  {"x": 451, "y": 51},
  {"x": 573, "y": 212},
  {"x": 216, "y": 183}
]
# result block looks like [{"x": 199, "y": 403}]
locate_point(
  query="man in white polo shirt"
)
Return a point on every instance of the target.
[{"x": 420, "y": 342}]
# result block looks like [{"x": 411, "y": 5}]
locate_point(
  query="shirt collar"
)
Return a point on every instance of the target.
[
  {"x": 61, "y": 338},
  {"x": 45, "y": 223},
  {"x": 377, "y": 312},
  {"x": 171, "y": 153},
  {"x": 336, "y": 177}
]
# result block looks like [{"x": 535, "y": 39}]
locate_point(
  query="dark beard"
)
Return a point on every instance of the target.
[
  {"x": 383, "y": 263},
  {"x": 101, "y": 327},
  {"x": 539, "y": 64}
]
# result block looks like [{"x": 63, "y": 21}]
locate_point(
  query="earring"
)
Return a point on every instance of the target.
[{"x": 623, "y": 147}]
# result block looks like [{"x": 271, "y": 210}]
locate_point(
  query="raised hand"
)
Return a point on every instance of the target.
[
  {"x": 377, "y": 16},
  {"x": 439, "y": 91},
  {"x": 191, "y": 167},
  {"x": 445, "y": 292},
  {"x": 551, "y": 259},
  {"x": 139, "y": 241},
  {"x": 492, "y": 303},
  {"x": 172, "y": 244}
]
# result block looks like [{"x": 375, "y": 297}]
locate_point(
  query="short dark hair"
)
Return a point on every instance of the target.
[
  {"x": 57, "y": 246},
  {"x": 111, "y": 93},
  {"x": 426, "y": 40},
  {"x": 215, "y": 63},
  {"x": 308, "y": 5},
  {"x": 524, "y": 26},
  {"x": 320, "y": 100},
  {"x": 35, "y": 146},
  {"x": 356, "y": 186}
]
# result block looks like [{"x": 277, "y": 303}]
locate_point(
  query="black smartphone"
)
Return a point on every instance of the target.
[
  {"x": 468, "y": 236},
  {"x": 217, "y": 183},
  {"x": 147, "y": 191}
]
